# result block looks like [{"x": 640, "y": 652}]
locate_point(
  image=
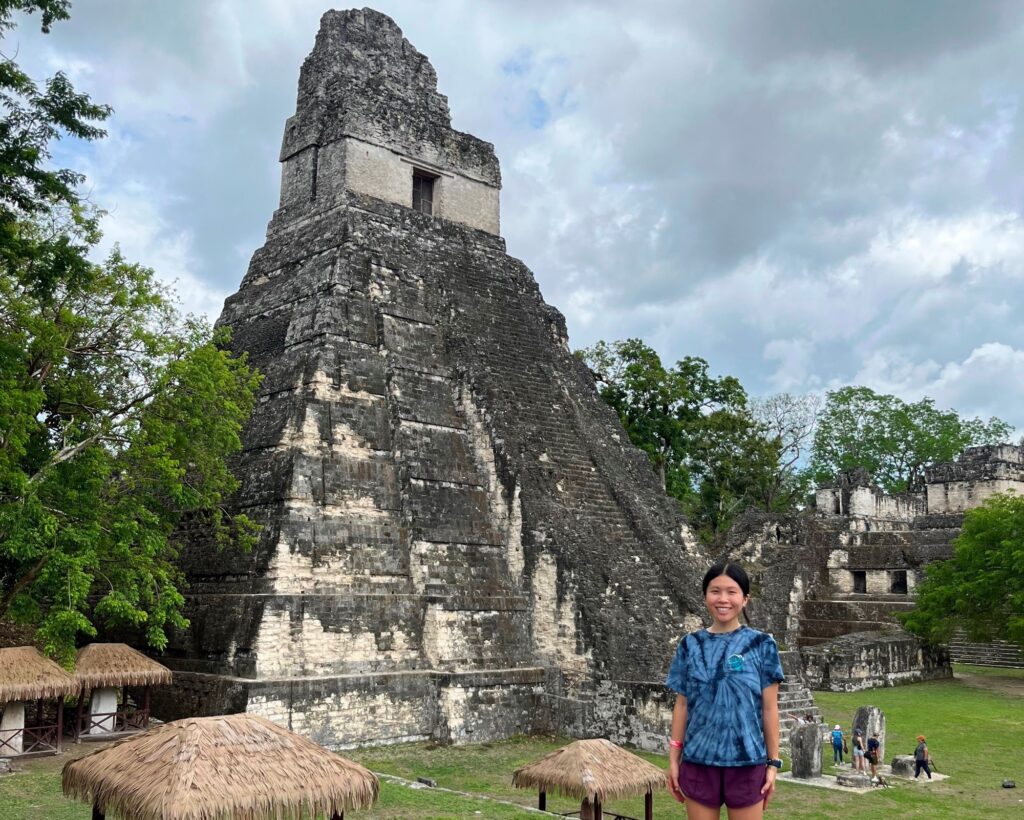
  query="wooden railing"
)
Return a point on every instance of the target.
[
  {"x": 123, "y": 720},
  {"x": 33, "y": 740}
]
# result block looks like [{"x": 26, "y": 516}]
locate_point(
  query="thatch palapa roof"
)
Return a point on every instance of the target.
[
  {"x": 588, "y": 768},
  {"x": 232, "y": 766},
  {"x": 117, "y": 664},
  {"x": 27, "y": 674}
]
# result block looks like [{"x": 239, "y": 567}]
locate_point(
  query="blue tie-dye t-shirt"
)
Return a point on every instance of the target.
[{"x": 722, "y": 677}]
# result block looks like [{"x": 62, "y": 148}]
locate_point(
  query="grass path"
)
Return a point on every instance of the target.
[{"x": 975, "y": 729}]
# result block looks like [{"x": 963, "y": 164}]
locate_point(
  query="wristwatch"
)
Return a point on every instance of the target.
[{"x": 774, "y": 761}]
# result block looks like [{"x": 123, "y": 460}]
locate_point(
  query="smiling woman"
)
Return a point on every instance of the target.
[{"x": 724, "y": 746}]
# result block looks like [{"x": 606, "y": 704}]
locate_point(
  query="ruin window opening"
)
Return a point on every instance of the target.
[
  {"x": 423, "y": 191},
  {"x": 898, "y": 582},
  {"x": 860, "y": 580}
]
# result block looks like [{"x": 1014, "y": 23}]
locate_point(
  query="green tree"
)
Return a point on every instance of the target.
[
  {"x": 734, "y": 465},
  {"x": 116, "y": 414},
  {"x": 32, "y": 119},
  {"x": 891, "y": 439},
  {"x": 790, "y": 421},
  {"x": 116, "y": 418},
  {"x": 707, "y": 448},
  {"x": 981, "y": 588}
]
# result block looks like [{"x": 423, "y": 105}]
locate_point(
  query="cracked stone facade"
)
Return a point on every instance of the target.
[
  {"x": 832, "y": 581},
  {"x": 457, "y": 542}
]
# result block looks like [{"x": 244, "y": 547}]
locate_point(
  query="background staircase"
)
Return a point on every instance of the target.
[
  {"x": 795, "y": 698},
  {"x": 996, "y": 653}
]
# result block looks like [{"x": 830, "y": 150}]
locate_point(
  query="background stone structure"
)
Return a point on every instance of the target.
[
  {"x": 831, "y": 581},
  {"x": 459, "y": 542}
]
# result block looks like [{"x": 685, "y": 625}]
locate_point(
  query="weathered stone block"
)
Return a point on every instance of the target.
[
  {"x": 805, "y": 751},
  {"x": 903, "y": 766},
  {"x": 854, "y": 780},
  {"x": 870, "y": 720}
]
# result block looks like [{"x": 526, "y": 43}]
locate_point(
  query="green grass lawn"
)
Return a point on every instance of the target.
[{"x": 975, "y": 735}]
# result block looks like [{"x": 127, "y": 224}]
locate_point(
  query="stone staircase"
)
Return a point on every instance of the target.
[
  {"x": 822, "y": 620},
  {"x": 795, "y": 698},
  {"x": 996, "y": 653}
]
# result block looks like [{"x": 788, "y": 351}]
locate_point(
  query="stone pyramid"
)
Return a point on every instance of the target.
[{"x": 458, "y": 538}]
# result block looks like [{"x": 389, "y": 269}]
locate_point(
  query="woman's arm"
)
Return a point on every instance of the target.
[
  {"x": 770, "y": 718},
  {"x": 675, "y": 755}
]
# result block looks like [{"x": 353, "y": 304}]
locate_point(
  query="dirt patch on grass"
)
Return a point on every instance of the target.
[
  {"x": 999, "y": 684},
  {"x": 54, "y": 763}
]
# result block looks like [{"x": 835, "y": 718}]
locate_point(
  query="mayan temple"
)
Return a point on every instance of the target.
[{"x": 459, "y": 541}]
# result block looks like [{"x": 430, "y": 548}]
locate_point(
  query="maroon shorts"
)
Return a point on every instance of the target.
[{"x": 736, "y": 786}]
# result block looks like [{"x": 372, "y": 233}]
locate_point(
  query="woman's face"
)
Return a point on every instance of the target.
[{"x": 725, "y": 600}]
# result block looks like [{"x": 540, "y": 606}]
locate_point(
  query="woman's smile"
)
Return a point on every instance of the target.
[{"x": 725, "y": 601}]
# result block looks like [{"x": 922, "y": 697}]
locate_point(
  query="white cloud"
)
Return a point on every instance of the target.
[
  {"x": 144, "y": 235},
  {"x": 804, "y": 195},
  {"x": 987, "y": 382}
]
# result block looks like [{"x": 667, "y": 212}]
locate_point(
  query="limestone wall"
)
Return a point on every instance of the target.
[
  {"x": 867, "y": 660},
  {"x": 958, "y": 496},
  {"x": 350, "y": 164},
  {"x": 452, "y": 517}
]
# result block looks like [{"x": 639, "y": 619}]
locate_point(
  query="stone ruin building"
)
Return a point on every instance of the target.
[
  {"x": 459, "y": 541},
  {"x": 834, "y": 581}
]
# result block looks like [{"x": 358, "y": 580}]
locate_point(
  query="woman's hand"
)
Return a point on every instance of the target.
[
  {"x": 768, "y": 789},
  {"x": 673, "y": 781}
]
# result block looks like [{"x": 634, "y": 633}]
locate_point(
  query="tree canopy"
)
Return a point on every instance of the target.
[
  {"x": 891, "y": 439},
  {"x": 116, "y": 413},
  {"x": 698, "y": 431},
  {"x": 981, "y": 588}
]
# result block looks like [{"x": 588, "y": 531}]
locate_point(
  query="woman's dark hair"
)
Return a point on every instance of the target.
[{"x": 734, "y": 571}]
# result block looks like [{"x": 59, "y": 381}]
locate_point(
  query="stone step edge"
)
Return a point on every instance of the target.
[
  {"x": 495, "y": 676},
  {"x": 456, "y": 602}
]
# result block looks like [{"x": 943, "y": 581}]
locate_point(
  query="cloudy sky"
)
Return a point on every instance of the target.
[{"x": 806, "y": 193}]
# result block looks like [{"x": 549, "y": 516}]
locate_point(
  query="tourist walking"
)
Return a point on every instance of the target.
[
  {"x": 837, "y": 745},
  {"x": 724, "y": 745},
  {"x": 874, "y": 745},
  {"x": 921, "y": 758},
  {"x": 858, "y": 751}
]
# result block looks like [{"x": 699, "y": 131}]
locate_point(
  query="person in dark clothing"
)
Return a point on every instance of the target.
[
  {"x": 921, "y": 758},
  {"x": 874, "y": 745}
]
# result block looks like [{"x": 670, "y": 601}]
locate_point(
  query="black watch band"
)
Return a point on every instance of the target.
[{"x": 774, "y": 761}]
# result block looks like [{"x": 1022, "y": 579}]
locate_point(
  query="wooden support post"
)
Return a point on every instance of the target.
[
  {"x": 542, "y": 803},
  {"x": 96, "y": 813},
  {"x": 591, "y": 809},
  {"x": 60, "y": 723},
  {"x": 649, "y": 805},
  {"x": 145, "y": 705},
  {"x": 78, "y": 716}
]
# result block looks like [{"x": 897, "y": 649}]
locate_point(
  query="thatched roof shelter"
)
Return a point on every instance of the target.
[
  {"x": 588, "y": 769},
  {"x": 241, "y": 767},
  {"x": 27, "y": 674},
  {"x": 101, "y": 665}
]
